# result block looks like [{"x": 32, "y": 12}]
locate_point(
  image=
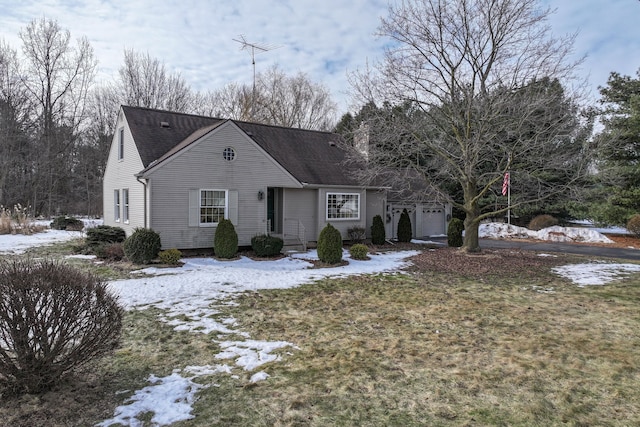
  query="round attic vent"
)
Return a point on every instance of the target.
[{"x": 229, "y": 154}]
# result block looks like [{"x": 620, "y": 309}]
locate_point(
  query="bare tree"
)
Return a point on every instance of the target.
[
  {"x": 145, "y": 82},
  {"x": 481, "y": 83},
  {"x": 57, "y": 77},
  {"x": 14, "y": 127},
  {"x": 279, "y": 99}
]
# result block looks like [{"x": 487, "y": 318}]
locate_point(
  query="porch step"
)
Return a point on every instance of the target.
[{"x": 293, "y": 245}]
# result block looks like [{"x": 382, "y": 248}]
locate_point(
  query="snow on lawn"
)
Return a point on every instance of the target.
[
  {"x": 595, "y": 273},
  {"x": 190, "y": 295},
  {"x": 19, "y": 243}
]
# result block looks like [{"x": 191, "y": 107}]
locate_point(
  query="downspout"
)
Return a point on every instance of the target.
[{"x": 144, "y": 199}]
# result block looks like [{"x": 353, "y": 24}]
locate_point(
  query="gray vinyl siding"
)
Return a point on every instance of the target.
[
  {"x": 120, "y": 174},
  {"x": 201, "y": 166},
  {"x": 302, "y": 205},
  {"x": 376, "y": 205},
  {"x": 343, "y": 225}
]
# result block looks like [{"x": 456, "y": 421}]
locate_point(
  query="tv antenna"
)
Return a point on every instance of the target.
[{"x": 254, "y": 48}]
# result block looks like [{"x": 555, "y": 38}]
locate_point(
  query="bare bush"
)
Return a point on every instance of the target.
[{"x": 53, "y": 319}]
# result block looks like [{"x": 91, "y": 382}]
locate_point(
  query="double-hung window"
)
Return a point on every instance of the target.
[
  {"x": 125, "y": 205},
  {"x": 214, "y": 205},
  {"x": 343, "y": 206},
  {"x": 116, "y": 205}
]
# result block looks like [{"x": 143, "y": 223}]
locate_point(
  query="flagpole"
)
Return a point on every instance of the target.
[{"x": 509, "y": 198}]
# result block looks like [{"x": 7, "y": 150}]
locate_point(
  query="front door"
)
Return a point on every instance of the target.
[{"x": 273, "y": 210}]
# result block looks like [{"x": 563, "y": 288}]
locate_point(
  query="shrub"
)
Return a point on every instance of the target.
[
  {"x": 142, "y": 246},
  {"x": 542, "y": 221},
  {"x": 633, "y": 225},
  {"x": 170, "y": 256},
  {"x": 330, "y": 245},
  {"x": 404, "y": 227},
  {"x": 264, "y": 245},
  {"x": 454, "y": 232},
  {"x": 357, "y": 234},
  {"x": 67, "y": 223},
  {"x": 53, "y": 319},
  {"x": 225, "y": 241},
  {"x": 17, "y": 220},
  {"x": 102, "y": 234},
  {"x": 378, "y": 235},
  {"x": 359, "y": 251},
  {"x": 110, "y": 251}
]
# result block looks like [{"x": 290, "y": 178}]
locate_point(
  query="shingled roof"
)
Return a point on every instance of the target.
[{"x": 312, "y": 157}]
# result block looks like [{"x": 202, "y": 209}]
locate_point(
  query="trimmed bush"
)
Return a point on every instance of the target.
[
  {"x": 378, "y": 236},
  {"x": 454, "y": 232},
  {"x": 265, "y": 246},
  {"x": 102, "y": 234},
  {"x": 633, "y": 225},
  {"x": 225, "y": 241},
  {"x": 53, "y": 319},
  {"x": 357, "y": 234},
  {"x": 542, "y": 221},
  {"x": 404, "y": 227},
  {"x": 142, "y": 246},
  {"x": 67, "y": 223},
  {"x": 359, "y": 251},
  {"x": 170, "y": 256},
  {"x": 330, "y": 245}
]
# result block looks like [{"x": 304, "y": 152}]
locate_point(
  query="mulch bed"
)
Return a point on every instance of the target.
[{"x": 487, "y": 262}]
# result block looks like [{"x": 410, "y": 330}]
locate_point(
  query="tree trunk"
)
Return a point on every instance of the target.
[{"x": 471, "y": 241}]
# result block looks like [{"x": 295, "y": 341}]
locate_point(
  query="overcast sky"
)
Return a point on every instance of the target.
[{"x": 325, "y": 39}]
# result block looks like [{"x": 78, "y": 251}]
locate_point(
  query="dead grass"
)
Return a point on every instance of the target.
[
  {"x": 458, "y": 340},
  {"x": 17, "y": 221}
]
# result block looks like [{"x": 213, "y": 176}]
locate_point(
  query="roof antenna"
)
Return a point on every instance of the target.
[{"x": 260, "y": 48}]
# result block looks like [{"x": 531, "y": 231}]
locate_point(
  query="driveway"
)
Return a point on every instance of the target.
[{"x": 569, "y": 248}]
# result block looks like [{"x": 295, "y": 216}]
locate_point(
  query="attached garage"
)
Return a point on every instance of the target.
[{"x": 426, "y": 219}]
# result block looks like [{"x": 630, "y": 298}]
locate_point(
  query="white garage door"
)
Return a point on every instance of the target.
[{"x": 433, "y": 220}]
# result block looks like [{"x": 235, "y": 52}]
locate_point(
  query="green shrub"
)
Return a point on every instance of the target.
[
  {"x": 404, "y": 227},
  {"x": 170, "y": 256},
  {"x": 265, "y": 246},
  {"x": 633, "y": 225},
  {"x": 102, "y": 234},
  {"x": 54, "y": 318},
  {"x": 67, "y": 223},
  {"x": 359, "y": 251},
  {"x": 454, "y": 232},
  {"x": 330, "y": 245},
  {"x": 378, "y": 236},
  {"x": 357, "y": 234},
  {"x": 542, "y": 221},
  {"x": 225, "y": 241},
  {"x": 142, "y": 246}
]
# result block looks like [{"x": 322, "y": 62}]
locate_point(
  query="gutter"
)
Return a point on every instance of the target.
[{"x": 144, "y": 198}]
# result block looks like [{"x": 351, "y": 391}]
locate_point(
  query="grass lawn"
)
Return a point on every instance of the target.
[{"x": 516, "y": 346}]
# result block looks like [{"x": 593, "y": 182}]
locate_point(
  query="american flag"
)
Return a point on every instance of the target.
[{"x": 505, "y": 183}]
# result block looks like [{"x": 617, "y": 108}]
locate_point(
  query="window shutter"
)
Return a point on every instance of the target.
[
  {"x": 194, "y": 208},
  {"x": 233, "y": 207}
]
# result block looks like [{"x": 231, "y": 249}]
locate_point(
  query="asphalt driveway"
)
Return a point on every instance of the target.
[{"x": 569, "y": 248}]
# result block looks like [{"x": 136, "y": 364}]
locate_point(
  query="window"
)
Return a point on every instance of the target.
[
  {"x": 229, "y": 154},
  {"x": 343, "y": 206},
  {"x": 125, "y": 205},
  {"x": 213, "y": 206},
  {"x": 116, "y": 205},
  {"x": 121, "y": 144}
]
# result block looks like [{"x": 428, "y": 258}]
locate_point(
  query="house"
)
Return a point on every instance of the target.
[{"x": 180, "y": 174}]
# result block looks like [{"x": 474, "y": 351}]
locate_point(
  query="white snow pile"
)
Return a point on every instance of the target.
[{"x": 495, "y": 230}]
